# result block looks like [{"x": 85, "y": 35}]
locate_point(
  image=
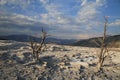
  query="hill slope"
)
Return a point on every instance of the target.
[
  {"x": 26, "y": 38},
  {"x": 114, "y": 40}
]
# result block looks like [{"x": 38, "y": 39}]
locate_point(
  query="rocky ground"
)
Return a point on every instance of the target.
[{"x": 58, "y": 62}]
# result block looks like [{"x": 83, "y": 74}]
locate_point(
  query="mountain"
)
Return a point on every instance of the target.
[
  {"x": 26, "y": 38},
  {"x": 112, "y": 41}
]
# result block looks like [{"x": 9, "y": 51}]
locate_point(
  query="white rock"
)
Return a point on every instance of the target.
[{"x": 78, "y": 64}]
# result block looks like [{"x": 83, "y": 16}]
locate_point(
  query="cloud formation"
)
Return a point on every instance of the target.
[
  {"x": 63, "y": 19},
  {"x": 22, "y": 4},
  {"x": 115, "y": 23},
  {"x": 20, "y": 24}
]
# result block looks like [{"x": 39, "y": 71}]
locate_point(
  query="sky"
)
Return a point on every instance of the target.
[{"x": 64, "y": 19}]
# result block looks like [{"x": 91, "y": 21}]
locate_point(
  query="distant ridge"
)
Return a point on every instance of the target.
[
  {"x": 90, "y": 42},
  {"x": 26, "y": 38},
  {"x": 85, "y": 43}
]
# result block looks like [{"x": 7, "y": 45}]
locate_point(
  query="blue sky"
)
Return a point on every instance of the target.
[{"x": 67, "y": 19}]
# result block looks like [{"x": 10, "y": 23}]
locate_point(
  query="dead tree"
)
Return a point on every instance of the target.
[
  {"x": 37, "y": 48},
  {"x": 103, "y": 47}
]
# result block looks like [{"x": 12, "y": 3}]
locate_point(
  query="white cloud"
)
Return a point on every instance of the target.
[
  {"x": 68, "y": 26},
  {"x": 86, "y": 19},
  {"x": 115, "y": 23},
  {"x": 23, "y": 4},
  {"x": 89, "y": 14},
  {"x": 19, "y": 24},
  {"x": 44, "y": 1},
  {"x": 17, "y": 18},
  {"x": 89, "y": 11},
  {"x": 54, "y": 15},
  {"x": 84, "y": 2}
]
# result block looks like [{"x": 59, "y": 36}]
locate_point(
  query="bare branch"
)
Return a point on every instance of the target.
[
  {"x": 104, "y": 49},
  {"x": 38, "y": 49}
]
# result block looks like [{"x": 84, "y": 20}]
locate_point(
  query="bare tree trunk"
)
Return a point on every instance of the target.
[
  {"x": 103, "y": 47},
  {"x": 37, "y": 49}
]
